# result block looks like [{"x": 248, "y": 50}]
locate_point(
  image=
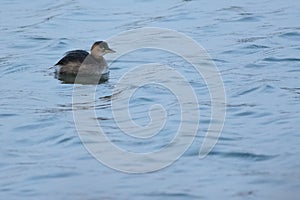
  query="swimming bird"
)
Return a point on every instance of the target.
[{"x": 86, "y": 63}]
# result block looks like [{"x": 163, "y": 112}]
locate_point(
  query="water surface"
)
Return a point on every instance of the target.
[{"x": 255, "y": 45}]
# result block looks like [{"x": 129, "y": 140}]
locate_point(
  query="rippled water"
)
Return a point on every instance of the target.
[{"x": 255, "y": 45}]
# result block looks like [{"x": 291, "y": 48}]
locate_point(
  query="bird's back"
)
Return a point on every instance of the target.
[{"x": 75, "y": 56}]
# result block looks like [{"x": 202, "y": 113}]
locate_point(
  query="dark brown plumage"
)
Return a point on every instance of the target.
[{"x": 73, "y": 56}]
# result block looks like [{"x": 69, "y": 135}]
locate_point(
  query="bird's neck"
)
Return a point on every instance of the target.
[{"x": 97, "y": 57}]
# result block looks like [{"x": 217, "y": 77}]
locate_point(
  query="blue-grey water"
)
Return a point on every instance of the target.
[{"x": 256, "y": 46}]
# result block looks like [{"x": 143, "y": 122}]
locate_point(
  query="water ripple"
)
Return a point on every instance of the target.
[
  {"x": 174, "y": 195},
  {"x": 263, "y": 88},
  {"x": 248, "y": 19},
  {"x": 274, "y": 59},
  {"x": 291, "y": 35},
  {"x": 244, "y": 155},
  {"x": 8, "y": 115},
  {"x": 57, "y": 175}
]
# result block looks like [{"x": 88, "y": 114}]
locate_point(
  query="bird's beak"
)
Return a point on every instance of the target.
[{"x": 109, "y": 51}]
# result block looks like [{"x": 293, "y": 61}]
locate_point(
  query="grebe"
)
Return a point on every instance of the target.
[{"x": 92, "y": 64}]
